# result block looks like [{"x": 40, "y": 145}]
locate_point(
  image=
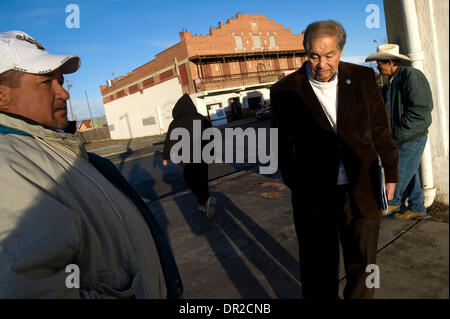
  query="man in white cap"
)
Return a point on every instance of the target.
[
  {"x": 408, "y": 97},
  {"x": 70, "y": 224}
]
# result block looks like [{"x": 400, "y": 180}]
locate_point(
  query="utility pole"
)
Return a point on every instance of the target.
[
  {"x": 92, "y": 121},
  {"x": 376, "y": 47},
  {"x": 70, "y": 102}
]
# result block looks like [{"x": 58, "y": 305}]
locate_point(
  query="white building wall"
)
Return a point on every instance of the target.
[
  {"x": 202, "y": 101},
  {"x": 125, "y": 115},
  {"x": 434, "y": 35},
  {"x": 200, "y": 104}
]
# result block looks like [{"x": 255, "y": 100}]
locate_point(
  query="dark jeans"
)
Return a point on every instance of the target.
[
  {"x": 320, "y": 225},
  {"x": 409, "y": 186},
  {"x": 196, "y": 178}
]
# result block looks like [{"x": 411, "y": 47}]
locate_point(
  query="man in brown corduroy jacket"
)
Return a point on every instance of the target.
[{"x": 332, "y": 127}]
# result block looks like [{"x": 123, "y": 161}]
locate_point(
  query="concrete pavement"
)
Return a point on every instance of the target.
[{"x": 249, "y": 249}]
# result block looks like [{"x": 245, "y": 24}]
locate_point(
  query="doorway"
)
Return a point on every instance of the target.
[
  {"x": 236, "y": 109},
  {"x": 254, "y": 102}
]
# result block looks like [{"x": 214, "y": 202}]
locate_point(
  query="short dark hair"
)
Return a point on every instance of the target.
[
  {"x": 11, "y": 78},
  {"x": 324, "y": 28}
]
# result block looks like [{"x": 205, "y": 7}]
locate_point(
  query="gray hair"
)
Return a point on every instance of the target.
[{"x": 328, "y": 28}]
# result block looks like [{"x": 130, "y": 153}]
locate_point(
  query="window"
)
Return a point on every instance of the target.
[
  {"x": 238, "y": 40},
  {"x": 256, "y": 41},
  {"x": 149, "y": 121},
  {"x": 133, "y": 89},
  {"x": 273, "y": 43}
]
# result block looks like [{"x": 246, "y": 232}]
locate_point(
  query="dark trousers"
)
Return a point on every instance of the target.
[
  {"x": 320, "y": 223},
  {"x": 196, "y": 178}
]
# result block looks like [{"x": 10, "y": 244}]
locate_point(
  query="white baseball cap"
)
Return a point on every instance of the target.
[{"x": 20, "y": 52}]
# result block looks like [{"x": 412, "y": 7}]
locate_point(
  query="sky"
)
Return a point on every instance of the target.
[{"x": 117, "y": 36}]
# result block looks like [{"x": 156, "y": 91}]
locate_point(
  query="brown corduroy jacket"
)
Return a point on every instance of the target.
[{"x": 309, "y": 151}]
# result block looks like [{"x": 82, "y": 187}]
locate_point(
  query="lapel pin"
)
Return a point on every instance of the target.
[{"x": 348, "y": 81}]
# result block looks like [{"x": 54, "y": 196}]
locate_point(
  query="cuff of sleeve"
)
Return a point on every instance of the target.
[{"x": 391, "y": 177}]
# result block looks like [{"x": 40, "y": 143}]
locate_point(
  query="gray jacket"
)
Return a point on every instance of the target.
[{"x": 57, "y": 210}]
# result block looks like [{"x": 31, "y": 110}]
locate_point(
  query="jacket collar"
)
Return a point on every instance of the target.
[
  {"x": 346, "y": 87},
  {"x": 13, "y": 124},
  {"x": 396, "y": 75},
  {"x": 346, "y": 84}
]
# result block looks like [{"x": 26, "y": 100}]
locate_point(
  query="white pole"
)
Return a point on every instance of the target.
[
  {"x": 417, "y": 56},
  {"x": 160, "y": 121}
]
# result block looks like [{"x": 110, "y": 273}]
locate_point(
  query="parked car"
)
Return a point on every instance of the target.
[{"x": 263, "y": 113}]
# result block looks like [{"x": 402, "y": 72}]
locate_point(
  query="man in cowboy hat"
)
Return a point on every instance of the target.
[
  {"x": 70, "y": 225},
  {"x": 332, "y": 126},
  {"x": 408, "y": 98}
]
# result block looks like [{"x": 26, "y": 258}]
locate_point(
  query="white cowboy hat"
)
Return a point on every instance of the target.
[
  {"x": 387, "y": 52},
  {"x": 20, "y": 52}
]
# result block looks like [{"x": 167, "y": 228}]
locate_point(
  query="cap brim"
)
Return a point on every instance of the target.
[
  {"x": 386, "y": 56},
  {"x": 50, "y": 62}
]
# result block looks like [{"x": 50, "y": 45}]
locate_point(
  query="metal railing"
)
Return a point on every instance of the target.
[{"x": 236, "y": 80}]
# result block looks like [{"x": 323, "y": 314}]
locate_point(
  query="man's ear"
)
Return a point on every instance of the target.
[{"x": 5, "y": 93}]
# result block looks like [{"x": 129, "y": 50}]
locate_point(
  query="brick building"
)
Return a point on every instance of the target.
[{"x": 227, "y": 73}]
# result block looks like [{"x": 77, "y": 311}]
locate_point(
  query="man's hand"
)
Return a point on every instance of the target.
[
  {"x": 164, "y": 162},
  {"x": 390, "y": 188}
]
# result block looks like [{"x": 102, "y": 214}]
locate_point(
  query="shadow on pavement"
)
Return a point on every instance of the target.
[
  {"x": 218, "y": 238},
  {"x": 278, "y": 266},
  {"x": 124, "y": 155},
  {"x": 255, "y": 263}
]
